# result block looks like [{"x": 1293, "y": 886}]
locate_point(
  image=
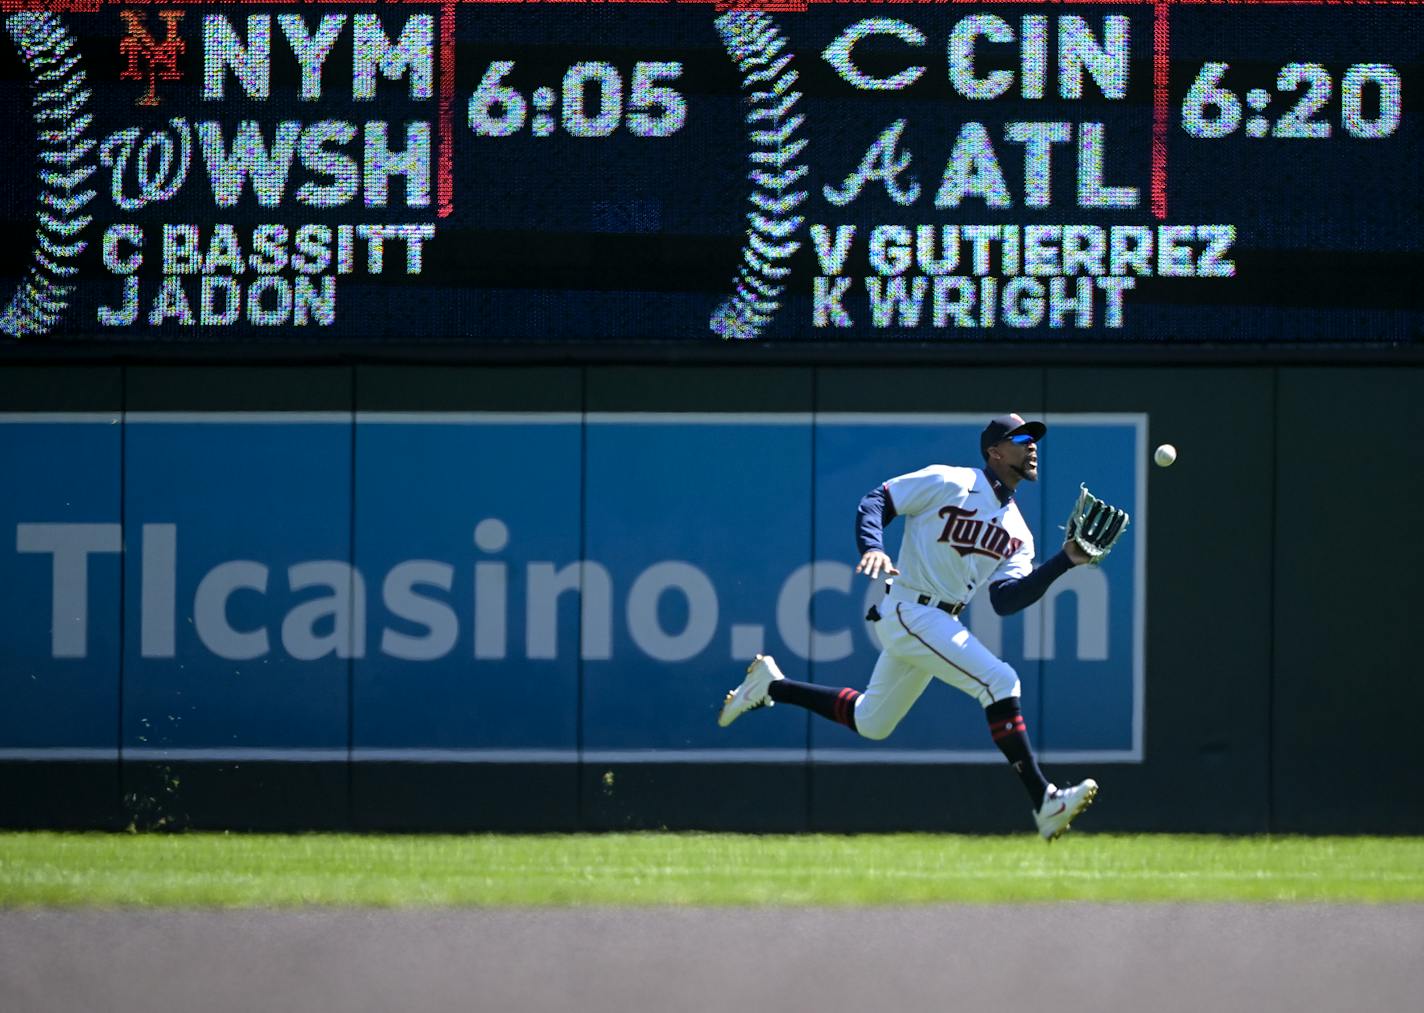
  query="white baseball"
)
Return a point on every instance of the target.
[{"x": 1165, "y": 455}]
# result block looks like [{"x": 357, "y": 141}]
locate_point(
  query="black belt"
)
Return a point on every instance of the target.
[{"x": 952, "y": 607}]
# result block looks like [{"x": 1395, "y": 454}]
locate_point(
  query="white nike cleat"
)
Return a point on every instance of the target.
[
  {"x": 752, "y": 693},
  {"x": 1061, "y": 805}
]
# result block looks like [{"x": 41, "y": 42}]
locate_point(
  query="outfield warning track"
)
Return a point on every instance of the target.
[{"x": 1065, "y": 957}]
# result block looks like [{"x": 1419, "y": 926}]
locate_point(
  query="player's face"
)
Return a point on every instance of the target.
[{"x": 1021, "y": 456}]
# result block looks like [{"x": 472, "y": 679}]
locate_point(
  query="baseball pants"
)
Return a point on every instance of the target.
[{"x": 922, "y": 643}]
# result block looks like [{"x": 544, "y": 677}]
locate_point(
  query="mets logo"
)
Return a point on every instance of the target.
[
  {"x": 971, "y": 537},
  {"x": 149, "y": 59}
]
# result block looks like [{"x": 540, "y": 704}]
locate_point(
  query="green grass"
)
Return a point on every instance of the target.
[{"x": 240, "y": 870}]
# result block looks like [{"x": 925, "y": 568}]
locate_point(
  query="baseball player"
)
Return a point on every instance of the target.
[{"x": 963, "y": 532}]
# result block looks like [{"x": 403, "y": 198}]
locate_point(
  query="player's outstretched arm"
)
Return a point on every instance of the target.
[{"x": 1014, "y": 594}]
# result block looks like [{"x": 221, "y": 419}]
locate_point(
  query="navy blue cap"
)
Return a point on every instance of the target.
[{"x": 1002, "y": 427}]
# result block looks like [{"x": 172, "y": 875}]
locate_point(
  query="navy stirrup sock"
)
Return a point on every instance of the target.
[
  {"x": 1006, "y": 725},
  {"x": 836, "y": 704}
]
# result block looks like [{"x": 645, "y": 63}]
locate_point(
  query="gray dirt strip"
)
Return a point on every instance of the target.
[{"x": 1147, "y": 958}]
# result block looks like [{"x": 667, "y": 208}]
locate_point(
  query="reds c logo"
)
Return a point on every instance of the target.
[
  {"x": 149, "y": 58},
  {"x": 970, "y": 537}
]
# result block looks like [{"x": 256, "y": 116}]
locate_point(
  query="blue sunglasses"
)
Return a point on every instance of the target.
[{"x": 1022, "y": 439}]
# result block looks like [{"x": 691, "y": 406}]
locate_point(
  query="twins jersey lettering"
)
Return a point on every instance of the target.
[{"x": 958, "y": 536}]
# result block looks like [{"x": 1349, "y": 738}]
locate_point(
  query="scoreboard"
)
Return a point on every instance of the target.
[{"x": 685, "y": 172}]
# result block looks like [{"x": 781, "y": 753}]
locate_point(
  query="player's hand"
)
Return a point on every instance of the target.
[
  {"x": 1076, "y": 555},
  {"x": 873, "y": 562}
]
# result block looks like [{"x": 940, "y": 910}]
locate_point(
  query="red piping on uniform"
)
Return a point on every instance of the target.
[{"x": 941, "y": 657}]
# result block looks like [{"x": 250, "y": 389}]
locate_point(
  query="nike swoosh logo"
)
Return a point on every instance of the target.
[{"x": 1061, "y": 807}]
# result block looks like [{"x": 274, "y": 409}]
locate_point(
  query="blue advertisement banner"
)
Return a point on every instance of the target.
[
  {"x": 236, "y": 616},
  {"x": 524, "y": 587},
  {"x": 59, "y": 584},
  {"x": 468, "y": 535}
]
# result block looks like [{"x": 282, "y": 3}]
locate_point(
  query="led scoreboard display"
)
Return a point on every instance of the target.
[{"x": 1163, "y": 170}]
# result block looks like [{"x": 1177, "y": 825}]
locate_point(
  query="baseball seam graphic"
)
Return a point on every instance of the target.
[
  {"x": 756, "y": 46},
  {"x": 65, "y": 163}
]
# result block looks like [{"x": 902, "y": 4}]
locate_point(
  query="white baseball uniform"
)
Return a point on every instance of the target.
[{"x": 958, "y": 538}]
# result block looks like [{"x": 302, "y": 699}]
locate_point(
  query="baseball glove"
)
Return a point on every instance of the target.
[{"x": 1095, "y": 525}]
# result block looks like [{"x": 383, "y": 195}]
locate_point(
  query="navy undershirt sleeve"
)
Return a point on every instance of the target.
[
  {"x": 1014, "y": 595},
  {"x": 875, "y": 511}
]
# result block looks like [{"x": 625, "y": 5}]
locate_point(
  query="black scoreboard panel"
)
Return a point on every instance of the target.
[{"x": 684, "y": 172}]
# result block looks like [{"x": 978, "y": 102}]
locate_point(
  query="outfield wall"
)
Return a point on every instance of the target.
[{"x": 399, "y": 597}]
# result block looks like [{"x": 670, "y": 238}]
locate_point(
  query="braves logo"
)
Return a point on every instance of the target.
[
  {"x": 149, "y": 58},
  {"x": 973, "y": 537}
]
